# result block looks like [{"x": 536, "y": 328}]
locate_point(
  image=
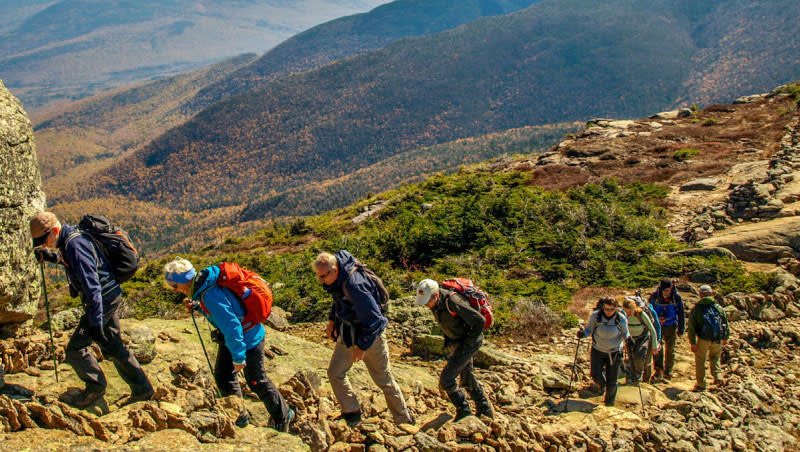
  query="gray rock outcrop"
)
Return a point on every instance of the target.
[{"x": 21, "y": 197}]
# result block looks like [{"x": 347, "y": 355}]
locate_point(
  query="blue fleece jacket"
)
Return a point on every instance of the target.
[
  {"x": 226, "y": 312},
  {"x": 670, "y": 312},
  {"x": 359, "y": 319},
  {"x": 88, "y": 272}
]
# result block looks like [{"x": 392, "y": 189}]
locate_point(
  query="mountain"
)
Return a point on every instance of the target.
[
  {"x": 70, "y": 49},
  {"x": 558, "y": 60},
  {"x": 352, "y": 35}
]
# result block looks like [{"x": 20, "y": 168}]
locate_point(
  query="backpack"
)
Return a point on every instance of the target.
[
  {"x": 648, "y": 309},
  {"x": 712, "y": 329},
  {"x": 617, "y": 321},
  {"x": 250, "y": 289},
  {"x": 113, "y": 242},
  {"x": 383, "y": 303},
  {"x": 476, "y": 297}
]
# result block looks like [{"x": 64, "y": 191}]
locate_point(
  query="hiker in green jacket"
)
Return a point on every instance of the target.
[{"x": 708, "y": 332}]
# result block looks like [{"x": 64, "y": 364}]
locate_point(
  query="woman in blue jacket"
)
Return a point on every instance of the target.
[{"x": 240, "y": 348}]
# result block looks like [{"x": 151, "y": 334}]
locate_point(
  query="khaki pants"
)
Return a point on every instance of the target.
[
  {"x": 713, "y": 350},
  {"x": 376, "y": 359}
]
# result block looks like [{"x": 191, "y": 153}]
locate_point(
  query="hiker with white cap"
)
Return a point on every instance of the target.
[
  {"x": 462, "y": 325},
  {"x": 708, "y": 332}
]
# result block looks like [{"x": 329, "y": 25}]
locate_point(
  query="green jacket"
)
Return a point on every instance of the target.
[{"x": 696, "y": 319}]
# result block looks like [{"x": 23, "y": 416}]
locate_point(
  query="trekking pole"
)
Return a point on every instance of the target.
[
  {"x": 49, "y": 323},
  {"x": 572, "y": 375},
  {"x": 641, "y": 399},
  {"x": 202, "y": 344}
]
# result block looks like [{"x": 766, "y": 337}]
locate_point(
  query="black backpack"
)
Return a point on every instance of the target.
[
  {"x": 113, "y": 243},
  {"x": 383, "y": 302}
]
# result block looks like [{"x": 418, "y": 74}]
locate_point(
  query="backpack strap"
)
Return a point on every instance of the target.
[
  {"x": 447, "y": 304},
  {"x": 77, "y": 233}
]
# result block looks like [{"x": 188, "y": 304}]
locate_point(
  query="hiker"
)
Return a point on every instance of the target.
[
  {"x": 241, "y": 346},
  {"x": 357, "y": 322},
  {"x": 608, "y": 328},
  {"x": 643, "y": 338},
  {"x": 708, "y": 332},
  {"x": 462, "y": 326},
  {"x": 669, "y": 306},
  {"x": 90, "y": 275}
]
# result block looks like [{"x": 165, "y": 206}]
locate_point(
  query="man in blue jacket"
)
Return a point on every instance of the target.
[
  {"x": 669, "y": 306},
  {"x": 240, "y": 348},
  {"x": 90, "y": 275},
  {"x": 357, "y": 324}
]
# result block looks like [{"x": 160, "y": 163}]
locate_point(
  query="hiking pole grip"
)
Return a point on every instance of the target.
[
  {"x": 202, "y": 344},
  {"x": 49, "y": 323}
]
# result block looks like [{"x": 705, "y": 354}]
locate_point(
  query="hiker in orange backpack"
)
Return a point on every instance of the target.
[
  {"x": 462, "y": 324},
  {"x": 241, "y": 341}
]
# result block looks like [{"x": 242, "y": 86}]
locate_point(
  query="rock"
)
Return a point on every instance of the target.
[
  {"x": 428, "y": 344},
  {"x": 469, "y": 426},
  {"x": 733, "y": 314},
  {"x": 702, "y": 277},
  {"x": 769, "y": 314},
  {"x": 21, "y": 197},
  {"x": 66, "y": 320},
  {"x": 142, "y": 342},
  {"x": 759, "y": 242},
  {"x": 427, "y": 443},
  {"x": 705, "y": 183},
  {"x": 277, "y": 319}
]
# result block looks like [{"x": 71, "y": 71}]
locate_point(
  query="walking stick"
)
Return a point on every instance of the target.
[
  {"x": 572, "y": 375},
  {"x": 219, "y": 392},
  {"x": 49, "y": 323},
  {"x": 641, "y": 399}
]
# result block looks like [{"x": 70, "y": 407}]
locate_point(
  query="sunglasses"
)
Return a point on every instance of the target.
[{"x": 39, "y": 241}]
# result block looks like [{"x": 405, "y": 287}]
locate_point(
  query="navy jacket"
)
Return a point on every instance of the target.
[
  {"x": 359, "y": 320},
  {"x": 88, "y": 272},
  {"x": 670, "y": 312},
  {"x": 226, "y": 312}
]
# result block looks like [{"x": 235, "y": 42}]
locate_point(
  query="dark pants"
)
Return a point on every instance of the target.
[
  {"x": 80, "y": 357},
  {"x": 665, "y": 359},
  {"x": 605, "y": 372},
  {"x": 256, "y": 377},
  {"x": 459, "y": 364},
  {"x": 638, "y": 353}
]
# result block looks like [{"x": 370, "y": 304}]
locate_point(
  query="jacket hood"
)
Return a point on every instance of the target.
[
  {"x": 346, "y": 262},
  {"x": 707, "y": 300},
  {"x": 205, "y": 279}
]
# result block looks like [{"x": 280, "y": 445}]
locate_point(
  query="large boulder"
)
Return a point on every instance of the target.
[
  {"x": 766, "y": 241},
  {"x": 21, "y": 197},
  {"x": 486, "y": 356}
]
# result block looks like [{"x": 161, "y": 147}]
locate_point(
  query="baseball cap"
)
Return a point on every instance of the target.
[{"x": 425, "y": 289}]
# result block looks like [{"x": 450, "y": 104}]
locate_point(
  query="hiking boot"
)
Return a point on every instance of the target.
[
  {"x": 284, "y": 426},
  {"x": 462, "y": 412},
  {"x": 595, "y": 388},
  {"x": 87, "y": 398},
  {"x": 243, "y": 420},
  {"x": 484, "y": 410},
  {"x": 352, "y": 419},
  {"x": 667, "y": 376},
  {"x": 140, "y": 397},
  {"x": 698, "y": 388}
]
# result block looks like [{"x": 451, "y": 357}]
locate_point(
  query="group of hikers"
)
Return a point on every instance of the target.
[{"x": 356, "y": 323}]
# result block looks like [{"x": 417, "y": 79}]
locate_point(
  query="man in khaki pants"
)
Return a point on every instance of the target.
[
  {"x": 356, "y": 322},
  {"x": 708, "y": 332}
]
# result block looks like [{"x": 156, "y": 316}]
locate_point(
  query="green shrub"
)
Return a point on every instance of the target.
[
  {"x": 685, "y": 154},
  {"x": 710, "y": 122}
]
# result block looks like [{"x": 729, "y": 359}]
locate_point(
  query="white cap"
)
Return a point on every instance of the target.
[
  {"x": 705, "y": 289},
  {"x": 425, "y": 289}
]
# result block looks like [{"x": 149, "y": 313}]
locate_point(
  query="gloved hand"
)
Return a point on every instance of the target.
[
  {"x": 46, "y": 254},
  {"x": 97, "y": 334},
  {"x": 580, "y": 334},
  {"x": 216, "y": 336}
]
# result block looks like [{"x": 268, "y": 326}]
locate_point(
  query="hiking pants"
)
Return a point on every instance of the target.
[
  {"x": 605, "y": 372},
  {"x": 711, "y": 349},
  {"x": 665, "y": 359},
  {"x": 638, "y": 348},
  {"x": 376, "y": 358},
  {"x": 80, "y": 357},
  {"x": 459, "y": 364},
  {"x": 256, "y": 378}
]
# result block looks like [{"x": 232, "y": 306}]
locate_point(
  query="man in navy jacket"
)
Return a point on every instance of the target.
[
  {"x": 669, "y": 306},
  {"x": 90, "y": 275},
  {"x": 357, "y": 324}
]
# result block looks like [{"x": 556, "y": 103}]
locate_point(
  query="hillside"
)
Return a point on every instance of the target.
[
  {"x": 557, "y": 60},
  {"x": 64, "y": 50},
  {"x": 352, "y": 35}
]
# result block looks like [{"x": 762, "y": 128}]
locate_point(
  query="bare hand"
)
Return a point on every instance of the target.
[
  {"x": 724, "y": 342},
  {"x": 694, "y": 348},
  {"x": 358, "y": 354},
  {"x": 329, "y": 330},
  {"x": 187, "y": 303},
  {"x": 238, "y": 367}
]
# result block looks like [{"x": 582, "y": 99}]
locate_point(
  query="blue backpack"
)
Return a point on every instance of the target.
[{"x": 713, "y": 328}]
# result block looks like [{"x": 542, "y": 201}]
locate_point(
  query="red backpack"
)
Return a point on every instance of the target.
[
  {"x": 476, "y": 297},
  {"x": 257, "y": 302}
]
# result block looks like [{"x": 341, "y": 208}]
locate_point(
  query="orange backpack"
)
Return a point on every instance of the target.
[{"x": 250, "y": 289}]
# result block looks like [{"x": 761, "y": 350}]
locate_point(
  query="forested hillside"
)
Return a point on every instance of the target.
[
  {"x": 352, "y": 35},
  {"x": 554, "y": 61}
]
